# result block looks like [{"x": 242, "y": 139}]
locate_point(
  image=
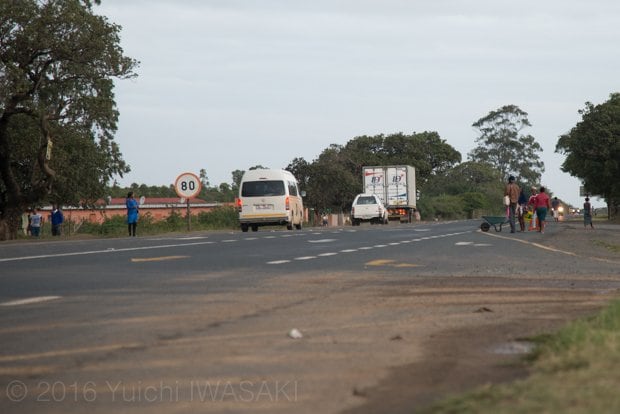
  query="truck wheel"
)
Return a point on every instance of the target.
[
  {"x": 289, "y": 226},
  {"x": 254, "y": 227},
  {"x": 244, "y": 228}
]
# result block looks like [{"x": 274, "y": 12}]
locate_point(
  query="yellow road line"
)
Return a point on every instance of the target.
[
  {"x": 392, "y": 263},
  {"x": 157, "y": 259}
]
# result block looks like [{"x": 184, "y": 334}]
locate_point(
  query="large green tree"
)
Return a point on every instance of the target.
[
  {"x": 335, "y": 177},
  {"x": 592, "y": 150},
  {"x": 502, "y": 144},
  {"x": 58, "y": 115}
]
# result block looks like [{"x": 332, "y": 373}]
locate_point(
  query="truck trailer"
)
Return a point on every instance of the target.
[{"x": 395, "y": 186}]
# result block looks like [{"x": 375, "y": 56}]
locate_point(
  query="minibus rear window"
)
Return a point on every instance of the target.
[{"x": 262, "y": 188}]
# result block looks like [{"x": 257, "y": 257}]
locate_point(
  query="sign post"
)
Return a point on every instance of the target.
[{"x": 187, "y": 186}]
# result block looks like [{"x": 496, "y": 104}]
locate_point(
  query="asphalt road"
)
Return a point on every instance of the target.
[{"x": 199, "y": 323}]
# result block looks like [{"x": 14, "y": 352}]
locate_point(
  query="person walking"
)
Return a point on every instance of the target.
[
  {"x": 132, "y": 214},
  {"x": 522, "y": 209},
  {"x": 555, "y": 203},
  {"x": 57, "y": 219},
  {"x": 542, "y": 204},
  {"x": 36, "y": 221},
  {"x": 512, "y": 190},
  {"x": 587, "y": 214}
]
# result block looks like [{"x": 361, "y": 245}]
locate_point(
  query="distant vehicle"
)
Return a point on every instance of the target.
[
  {"x": 395, "y": 187},
  {"x": 368, "y": 207},
  {"x": 269, "y": 197}
]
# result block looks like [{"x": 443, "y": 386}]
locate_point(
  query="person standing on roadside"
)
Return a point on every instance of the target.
[
  {"x": 542, "y": 204},
  {"x": 512, "y": 190},
  {"x": 36, "y": 221},
  {"x": 587, "y": 214},
  {"x": 522, "y": 208},
  {"x": 57, "y": 219},
  {"x": 555, "y": 203},
  {"x": 132, "y": 214}
]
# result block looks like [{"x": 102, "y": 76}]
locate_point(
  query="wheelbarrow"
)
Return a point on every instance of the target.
[{"x": 496, "y": 221}]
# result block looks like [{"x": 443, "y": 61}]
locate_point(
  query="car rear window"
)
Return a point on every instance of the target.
[
  {"x": 366, "y": 200},
  {"x": 262, "y": 188}
]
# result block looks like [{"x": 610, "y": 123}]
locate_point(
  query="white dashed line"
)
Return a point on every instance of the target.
[
  {"x": 279, "y": 262},
  {"x": 29, "y": 301},
  {"x": 328, "y": 254},
  {"x": 348, "y": 250},
  {"x": 305, "y": 258}
]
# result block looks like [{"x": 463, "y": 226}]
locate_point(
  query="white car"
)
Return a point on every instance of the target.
[{"x": 368, "y": 207}]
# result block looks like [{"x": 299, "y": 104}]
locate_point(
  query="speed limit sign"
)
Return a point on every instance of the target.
[{"x": 187, "y": 185}]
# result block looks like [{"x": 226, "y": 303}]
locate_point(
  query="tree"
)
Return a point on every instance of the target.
[
  {"x": 57, "y": 110},
  {"x": 501, "y": 145},
  {"x": 333, "y": 182},
  {"x": 592, "y": 150}
]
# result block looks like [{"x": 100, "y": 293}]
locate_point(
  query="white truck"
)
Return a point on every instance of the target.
[{"x": 395, "y": 187}]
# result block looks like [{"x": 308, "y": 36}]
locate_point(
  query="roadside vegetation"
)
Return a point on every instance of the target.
[
  {"x": 575, "y": 370},
  {"x": 220, "y": 218}
]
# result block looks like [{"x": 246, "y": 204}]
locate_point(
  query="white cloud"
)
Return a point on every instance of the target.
[{"x": 225, "y": 85}]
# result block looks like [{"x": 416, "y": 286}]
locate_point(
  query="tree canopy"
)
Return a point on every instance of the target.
[
  {"x": 592, "y": 149},
  {"x": 502, "y": 145},
  {"x": 58, "y": 115},
  {"x": 335, "y": 177}
]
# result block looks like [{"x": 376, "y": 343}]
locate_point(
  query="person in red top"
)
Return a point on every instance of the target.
[{"x": 542, "y": 204}]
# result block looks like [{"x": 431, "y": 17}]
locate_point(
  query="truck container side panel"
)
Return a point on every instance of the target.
[
  {"x": 374, "y": 182},
  {"x": 397, "y": 186}
]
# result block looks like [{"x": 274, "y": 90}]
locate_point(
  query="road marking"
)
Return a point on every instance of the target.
[
  {"x": 279, "y": 262},
  {"x": 321, "y": 241},
  {"x": 108, "y": 250},
  {"x": 348, "y": 250},
  {"x": 305, "y": 258},
  {"x": 391, "y": 263},
  {"x": 29, "y": 301},
  {"x": 380, "y": 245},
  {"x": 229, "y": 241},
  {"x": 157, "y": 259},
  {"x": 463, "y": 243},
  {"x": 328, "y": 254},
  {"x": 552, "y": 249}
]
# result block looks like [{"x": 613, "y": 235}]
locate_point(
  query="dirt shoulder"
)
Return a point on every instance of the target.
[{"x": 490, "y": 349}]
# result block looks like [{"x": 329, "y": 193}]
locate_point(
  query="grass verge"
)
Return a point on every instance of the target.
[{"x": 576, "y": 370}]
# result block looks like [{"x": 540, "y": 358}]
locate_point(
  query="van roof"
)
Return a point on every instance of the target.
[{"x": 267, "y": 174}]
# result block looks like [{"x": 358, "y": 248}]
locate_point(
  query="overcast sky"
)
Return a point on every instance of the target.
[{"x": 226, "y": 85}]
